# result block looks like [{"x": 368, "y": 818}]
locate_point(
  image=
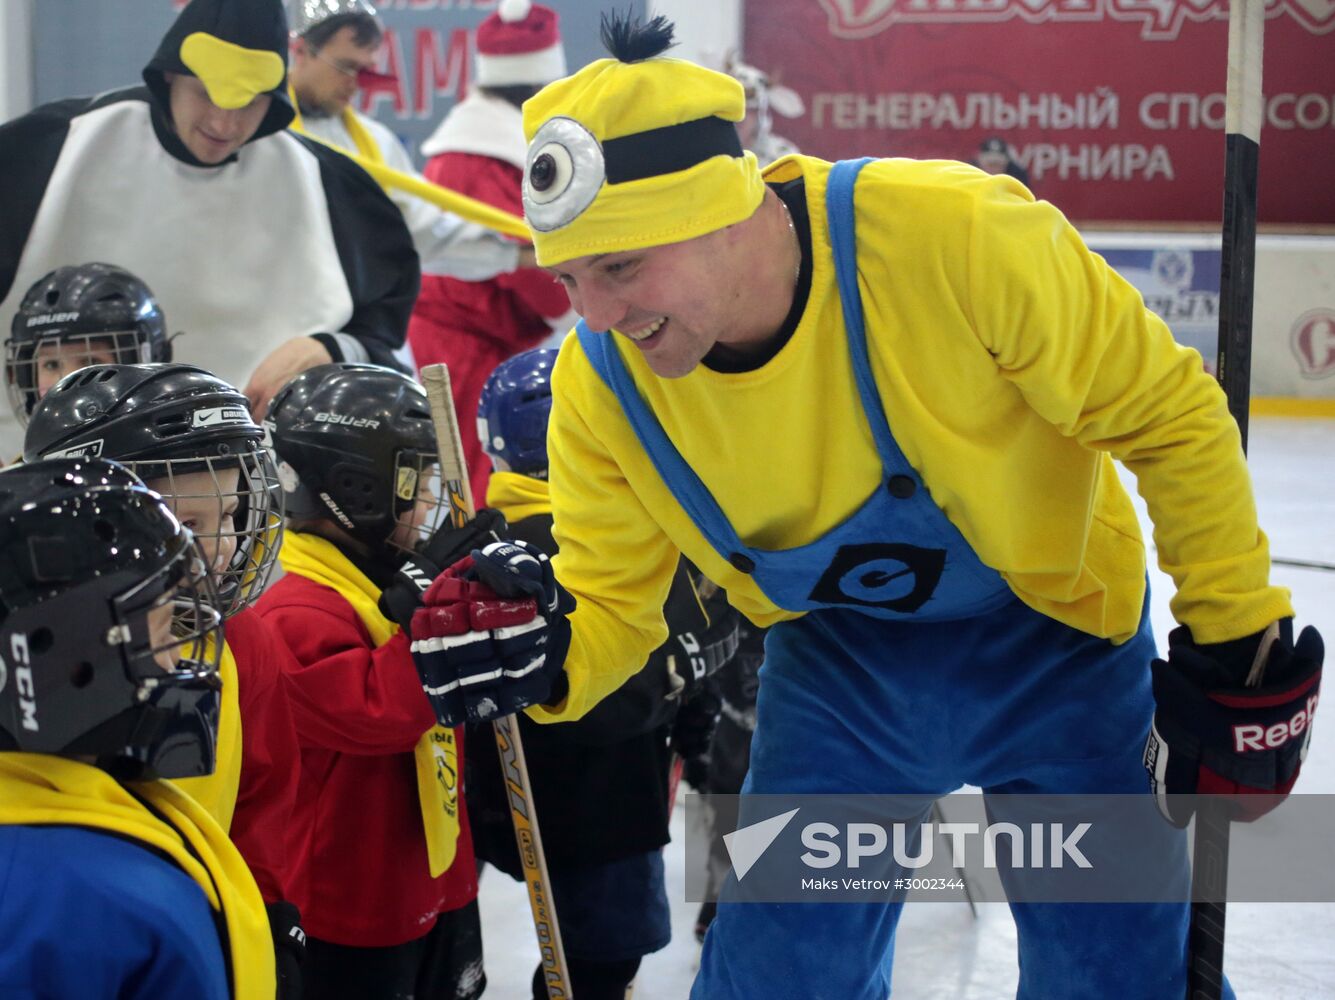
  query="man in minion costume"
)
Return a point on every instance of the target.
[
  {"x": 878, "y": 402},
  {"x": 273, "y": 253}
]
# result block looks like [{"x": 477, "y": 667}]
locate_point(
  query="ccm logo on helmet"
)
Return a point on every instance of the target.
[
  {"x": 1272, "y": 737},
  {"x": 340, "y": 418},
  {"x": 23, "y": 683}
]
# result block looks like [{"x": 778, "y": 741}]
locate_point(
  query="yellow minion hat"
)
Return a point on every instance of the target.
[{"x": 635, "y": 151}]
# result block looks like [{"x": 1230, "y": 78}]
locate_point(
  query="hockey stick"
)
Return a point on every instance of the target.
[
  {"x": 1243, "y": 114},
  {"x": 514, "y": 768}
]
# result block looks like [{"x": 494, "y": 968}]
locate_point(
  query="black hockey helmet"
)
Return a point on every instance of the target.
[
  {"x": 101, "y": 591},
  {"x": 96, "y": 312},
  {"x": 167, "y": 421},
  {"x": 355, "y": 445}
]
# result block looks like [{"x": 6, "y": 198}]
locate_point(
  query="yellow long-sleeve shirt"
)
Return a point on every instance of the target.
[{"x": 1013, "y": 364}]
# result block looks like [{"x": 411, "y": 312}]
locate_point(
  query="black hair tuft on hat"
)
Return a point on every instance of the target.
[{"x": 630, "y": 41}]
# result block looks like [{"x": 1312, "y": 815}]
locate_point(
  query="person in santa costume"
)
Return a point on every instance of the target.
[{"x": 479, "y": 150}]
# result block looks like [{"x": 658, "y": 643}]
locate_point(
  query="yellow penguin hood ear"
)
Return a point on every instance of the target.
[{"x": 233, "y": 75}]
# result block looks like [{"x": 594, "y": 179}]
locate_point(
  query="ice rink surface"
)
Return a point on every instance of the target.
[{"x": 1274, "y": 951}]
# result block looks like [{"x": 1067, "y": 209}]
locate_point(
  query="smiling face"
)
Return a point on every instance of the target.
[
  {"x": 729, "y": 289},
  {"x": 211, "y": 133},
  {"x": 675, "y": 302}
]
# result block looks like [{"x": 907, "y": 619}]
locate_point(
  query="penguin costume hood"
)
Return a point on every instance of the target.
[{"x": 237, "y": 49}]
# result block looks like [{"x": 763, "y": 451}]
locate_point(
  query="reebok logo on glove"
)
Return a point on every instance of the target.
[{"x": 1252, "y": 737}]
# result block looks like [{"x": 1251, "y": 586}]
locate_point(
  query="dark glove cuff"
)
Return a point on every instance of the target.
[
  {"x": 1227, "y": 664},
  {"x": 450, "y": 544},
  {"x": 285, "y": 924}
]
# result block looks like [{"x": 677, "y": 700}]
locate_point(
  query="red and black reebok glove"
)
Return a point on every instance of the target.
[
  {"x": 1214, "y": 734},
  {"x": 491, "y": 635}
]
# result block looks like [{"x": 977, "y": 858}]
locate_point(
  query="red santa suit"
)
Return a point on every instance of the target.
[{"x": 473, "y": 326}]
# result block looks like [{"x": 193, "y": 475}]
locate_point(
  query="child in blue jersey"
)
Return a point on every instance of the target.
[{"x": 115, "y": 883}]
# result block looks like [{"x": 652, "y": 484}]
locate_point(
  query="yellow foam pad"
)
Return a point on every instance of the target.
[
  {"x": 234, "y": 76},
  {"x": 612, "y": 99}
]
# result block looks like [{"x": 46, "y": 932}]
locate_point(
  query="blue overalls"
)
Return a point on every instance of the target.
[{"x": 917, "y": 670}]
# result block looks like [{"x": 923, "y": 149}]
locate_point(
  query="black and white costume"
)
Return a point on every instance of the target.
[{"x": 284, "y": 238}]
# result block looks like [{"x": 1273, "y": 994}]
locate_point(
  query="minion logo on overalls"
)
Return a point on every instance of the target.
[{"x": 892, "y": 576}]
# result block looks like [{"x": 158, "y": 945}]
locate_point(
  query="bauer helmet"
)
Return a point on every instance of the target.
[
  {"x": 513, "y": 411},
  {"x": 92, "y": 313},
  {"x": 183, "y": 431},
  {"x": 355, "y": 445},
  {"x": 109, "y": 635}
]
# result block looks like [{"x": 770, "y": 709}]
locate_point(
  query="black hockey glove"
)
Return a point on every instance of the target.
[
  {"x": 1215, "y": 733},
  {"x": 692, "y": 733},
  {"x": 703, "y": 648},
  {"x": 450, "y": 544},
  {"x": 289, "y": 943},
  {"x": 492, "y": 634},
  {"x": 403, "y": 594}
]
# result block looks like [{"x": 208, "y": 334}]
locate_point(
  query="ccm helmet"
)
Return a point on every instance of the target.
[
  {"x": 109, "y": 641},
  {"x": 513, "y": 410},
  {"x": 77, "y": 316},
  {"x": 355, "y": 445},
  {"x": 183, "y": 431}
]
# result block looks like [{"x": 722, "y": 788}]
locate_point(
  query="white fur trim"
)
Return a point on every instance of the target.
[
  {"x": 482, "y": 125},
  {"x": 542, "y": 66}
]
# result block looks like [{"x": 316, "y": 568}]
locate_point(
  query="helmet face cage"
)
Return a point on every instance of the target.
[
  {"x": 25, "y": 359},
  {"x": 419, "y": 502},
  {"x": 238, "y": 526},
  {"x": 186, "y": 645}
]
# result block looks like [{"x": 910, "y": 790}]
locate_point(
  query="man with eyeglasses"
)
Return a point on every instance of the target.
[{"x": 334, "y": 51}]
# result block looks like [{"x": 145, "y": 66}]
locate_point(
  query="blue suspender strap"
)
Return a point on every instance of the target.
[
  {"x": 679, "y": 477},
  {"x": 843, "y": 238}
]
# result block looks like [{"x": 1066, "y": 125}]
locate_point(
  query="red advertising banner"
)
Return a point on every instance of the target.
[{"x": 1115, "y": 107}]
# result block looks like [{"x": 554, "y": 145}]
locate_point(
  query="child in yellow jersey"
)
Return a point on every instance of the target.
[
  {"x": 879, "y": 402},
  {"x": 116, "y": 883}
]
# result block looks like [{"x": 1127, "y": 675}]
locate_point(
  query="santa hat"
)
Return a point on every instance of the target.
[{"x": 519, "y": 44}]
